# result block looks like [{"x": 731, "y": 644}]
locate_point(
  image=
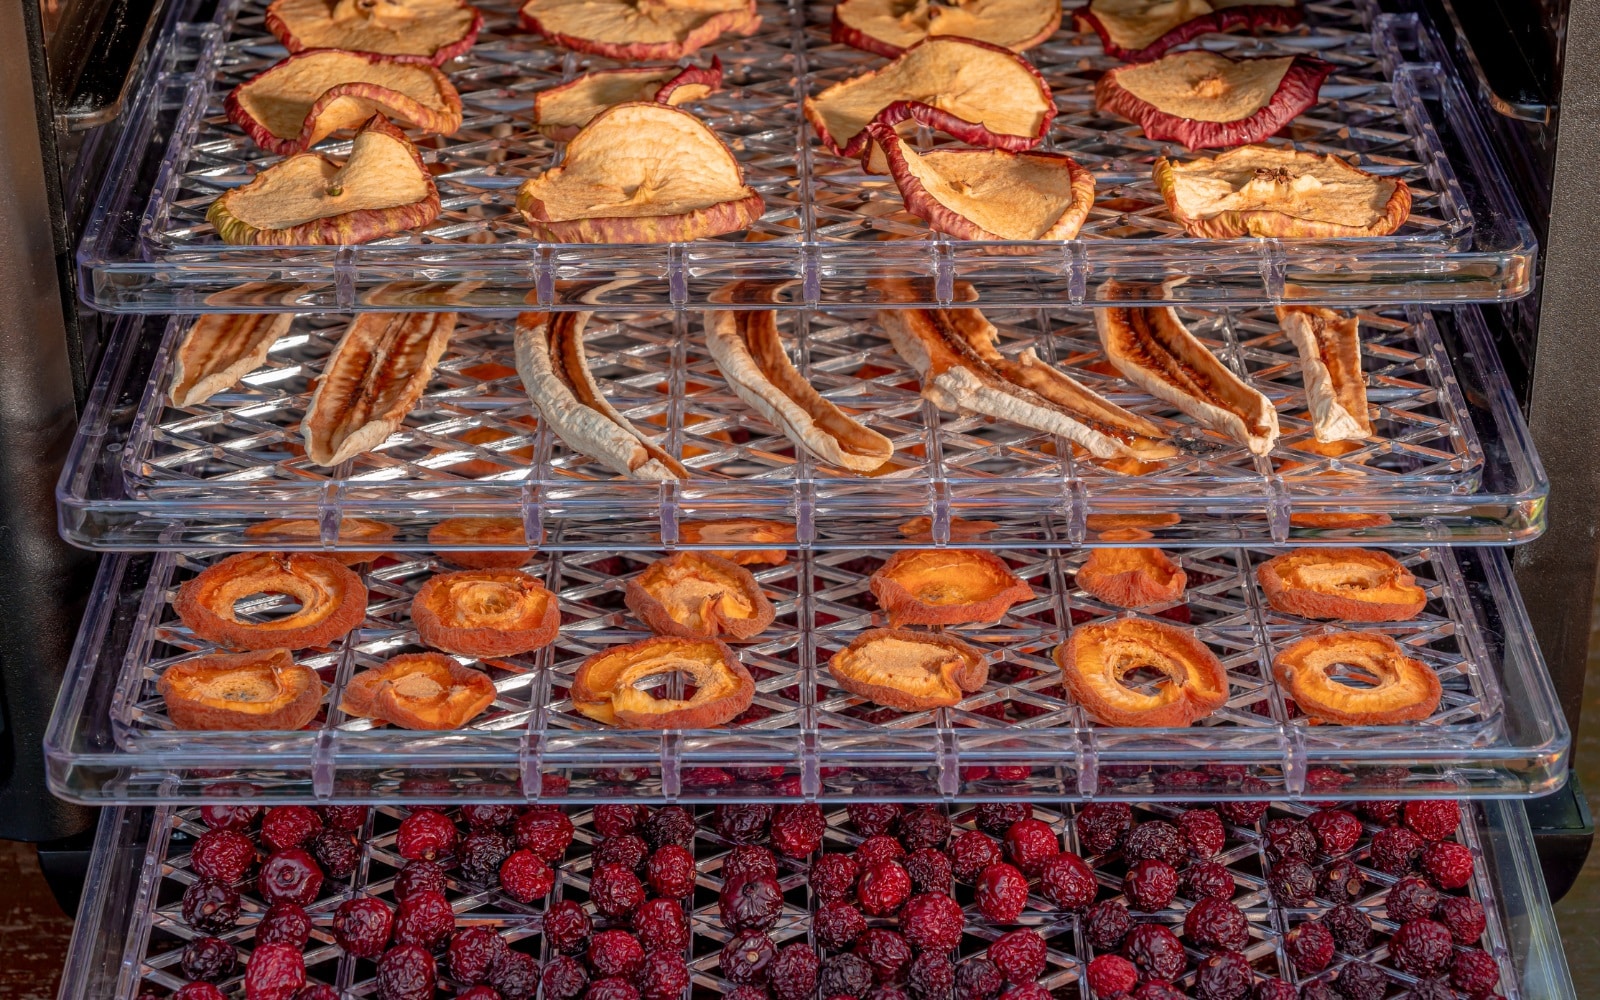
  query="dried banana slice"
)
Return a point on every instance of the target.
[
  {"x": 374, "y": 378},
  {"x": 751, "y": 357},
  {"x": 556, "y": 375},
  {"x": 1152, "y": 349},
  {"x": 1330, "y": 360},
  {"x": 219, "y": 350},
  {"x": 953, "y": 351}
]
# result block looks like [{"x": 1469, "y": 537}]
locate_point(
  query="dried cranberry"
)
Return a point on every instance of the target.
[
  {"x": 1245, "y": 812},
  {"x": 322, "y": 991},
  {"x": 474, "y": 952},
  {"x": 564, "y": 978},
  {"x": 1448, "y": 863},
  {"x": 664, "y": 976},
  {"x": 748, "y": 861},
  {"x": 929, "y": 869},
  {"x": 615, "y": 891},
  {"x": 424, "y": 918},
  {"x": 1029, "y": 844},
  {"x": 1431, "y": 989},
  {"x": 1111, "y": 976},
  {"x": 924, "y": 826},
  {"x": 886, "y": 951},
  {"x": 1156, "y": 839},
  {"x": 881, "y": 847},
  {"x": 746, "y": 956},
  {"x": 207, "y": 959},
  {"x": 274, "y": 972},
  {"x": 418, "y": 876},
  {"x": 1292, "y": 882},
  {"x": 996, "y": 817},
  {"x": 661, "y": 926},
  {"x": 1474, "y": 973},
  {"x": 1433, "y": 819},
  {"x": 1421, "y": 947},
  {"x": 345, "y": 819},
  {"x": 1320, "y": 989},
  {"x": 1309, "y": 946},
  {"x": 1396, "y": 850},
  {"x": 284, "y": 827},
  {"x": 792, "y": 975},
  {"x": 742, "y": 822},
  {"x": 525, "y": 878},
  {"x": 515, "y": 976},
  {"x": 1155, "y": 950},
  {"x": 1360, "y": 981},
  {"x": 1351, "y": 929},
  {"x": 626, "y": 849},
  {"x": 491, "y": 816},
  {"x": 931, "y": 976},
  {"x": 978, "y": 979},
  {"x": 1158, "y": 989},
  {"x": 844, "y": 975},
  {"x": 747, "y": 992},
  {"x": 932, "y": 922},
  {"x": 546, "y": 832},
  {"x": 1223, "y": 975},
  {"x": 1107, "y": 924},
  {"x": 1102, "y": 826},
  {"x": 670, "y": 872},
  {"x": 1002, "y": 892},
  {"x": 871, "y": 819},
  {"x": 797, "y": 829},
  {"x": 614, "y": 820},
  {"x": 882, "y": 888},
  {"x": 222, "y": 855},
  {"x": 615, "y": 953},
  {"x": 1203, "y": 832},
  {"x": 210, "y": 906},
  {"x": 1216, "y": 923},
  {"x": 750, "y": 904},
  {"x": 1068, "y": 882},
  {"x": 229, "y": 817},
  {"x": 1208, "y": 880},
  {"x": 1027, "y": 991},
  {"x": 362, "y": 926},
  {"x": 1337, "y": 830},
  {"x": 837, "y": 925},
  {"x": 668, "y": 825},
  {"x": 336, "y": 852},
  {"x": 1150, "y": 884},
  {"x": 405, "y": 972},
  {"x": 1274, "y": 989},
  {"x": 567, "y": 926},
  {"x": 1411, "y": 898},
  {"x": 971, "y": 853},
  {"x": 833, "y": 877},
  {"x": 1342, "y": 882},
  {"x": 1290, "y": 838},
  {"x": 190, "y": 991},
  {"x": 290, "y": 876},
  {"x": 1464, "y": 917},
  {"x": 425, "y": 834},
  {"x": 1020, "y": 955},
  {"x": 284, "y": 923},
  {"x": 1382, "y": 812},
  {"x": 611, "y": 989}
]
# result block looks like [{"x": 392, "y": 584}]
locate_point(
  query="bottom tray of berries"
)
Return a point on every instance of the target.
[{"x": 876, "y": 901}]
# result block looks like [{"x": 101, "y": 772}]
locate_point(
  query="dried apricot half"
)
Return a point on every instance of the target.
[
  {"x": 352, "y": 531},
  {"x": 1102, "y": 662},
  {"x": 1353, "y": 585},
  {"x": 699, "y": 594},
  {"x": 265, "y": 689},
  {"x": 485, "y": 612},
  {"x": 946, "y": 587},
  {"x": 506, "y": 533},
  {"x": 1132, "y": 577},
  {"x": 1357, "y": 679},
  {"x": 747, "y": 530},
  {"x": 332, "y": 600},
  {"x": 615, "y": 686},
  {"x": 419, "y": 691},
  {"x": 908, "y": 670}
]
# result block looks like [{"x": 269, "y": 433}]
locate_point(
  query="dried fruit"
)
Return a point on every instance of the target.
[
  {"x": 1111, "y": 976},
  {"x": 1132, "y": 577},
  {"x": 924, "y": 827},
  {"x": 932, "y": 922},
  {"x": 1156, "y": 839},
  {"x": 1002, "y": 892},
  {"x": 1245, "y": 812},
  {"x": 274, "y": 972},
  {"x": 1410, "y": 899},
  {"x": 879, "y": 848},
  {"x": 222, "y": 855},
  {"x": 885, "y": 951},
  {"x": 627, "y": 850},
  {"x": 1337, "y": 830},
  {"x": 1342, "y": 882},
  {"x": 1396, "y": 850},
  {"x": 1474, "y": 973},
  {"x": 336, "y": 853},
  {"x": 887, "y": 29},
  {"x": 797, "y": 829},
  {"x": 833, "y": 877},
  {"x": 419, "y": 691},
  {"x": 615, "y": 953},
  {"x": 1020, "y": 955},
  {"x": 481, "y": 854},
  {"x": 882, "y": 888},
  {"x": 1067, "y": 881},
  {"x": 611, "y": 989},
  {"x": 1292, "y": 882},
  {"x": 525, "y": 878},
  {"x": 1155, "y": 950},
  {"x": 1401, "y": 689},
  {"x": 284, "y": 827},
  {"x": 564, "y": 978},
  {"x": 1309, "y": 946},
  {"x": 561, "y": 112},
  {"x": 1203, "y": 99},
  {"x": 931, "y": 976},
  {"x": 930, "y": 870},
  {"x": 515, "y": 976},
  {"x": 1029, "y": 844},
  {"x": 750, "y": 904},
  {"x": 668, "y": 825},
  {"x": 1097, "y": 658},
  {"x": 909, "y": 671},
  {"x": 661, "y": 926},
  {"x": 547, "y": 833},
  {"x": 844, "y": 975},
  {"x": 664, "y": 976},
  {"x": 1223, "y": 975},
  {"x": 977, "y": 978},
  {"x": 1433, "y": 819},
  {"x": 439, "y": 30},
  {"x": 284, "y": 923},
  {"x": 290, "y": 876},
  {"x": 1102, "y": 826},
  {"x": 1216, "y": 923},
  {"x": 1107, "y": 924},
  {"x": 228, "y": 817},
  {"x": 418, "y": 876},
  {"x": 615, "y": 891},
  {"x": 424, "y": 918},
  {"x": 1448, "y": 863},
  {"x": 361, "y": 926},
  {"x": 1150, "y": 884},
  {"x": 1290, "y": 838},
  {"x": 208, "y": 959},
  {"x": 611, "y": 686},
  {"x": 1208, "y": 880},
  {"x": 263, "y": 690},
  {"x": 485, "y": 612},
  {"x": 425, "y": 835},
  {"x": 1421, "y": 947},
  {"x": 1143, "y": 32},
  {"x": 672, "y": 29},
  {"x": 697, "y": 594},
  {"x": 1202, "y": 830},
  {"x": 1351, "y": 929},
  {"x": 742, "y": 822},
  {"x": 792, "y": 975},
  {"x": 1463, "y": 916},
  {"x": 474, "y": 952},
  {"x": 838, "y": 924},
  {"x": 747, "y": 954},
  {"x": 1275, "y": 989},
  {"x": 1360, "y": 981}
]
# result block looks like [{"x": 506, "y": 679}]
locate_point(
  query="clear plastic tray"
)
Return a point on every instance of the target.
[
  {"x": 130, "y": 931},
  {"x": 1451, "y": 462},
  {"x": 1497, "y": 731},
  {"x": 1392, "y": 106}
]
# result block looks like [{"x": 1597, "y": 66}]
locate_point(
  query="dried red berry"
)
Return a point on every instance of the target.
[
  {"x": 1150, "y": 884},
  {"x": 1360, "y": 981},
  {"x": 1448, "y": 863},
  {"x": 929, "y": 869},
  {"x": 871, "y": 819},
  {"x": 1111, "y": 976},
  {"x": 664, "y": 976},
  {"x": 838, "y": 924},
  {"x": 1156, "y": 839},
  {"x": 670, "y": 872},
  {"x": 284, "y": 827},
  {"x": 1474, "y": 973},
  {"x": 1245, "y": 812},
  {"x": 1020, "y": 955},
  {"x": 1216, "y": 923},
  {"x": 924, "y": 826},
  {"x": 546, "y": 832},
  {"x": 1411, "y": 898},
  {"x": 424, "y": 918},
  {"x": 615, "y": 820},
  {"x": 797, "y": 830},
  {"x": 284, "y": 923},
  {"x": 627, "y": 849},
  {"x": 932, "y": 922},
  {"x": 425, "y": 834},
  {"x": 1208, "y": 879},
  {"x": 1068, "y": 882},
  {"x": 1290, "y": 838},
  {"x": 1421, "y": 947},
  {"x": 1223, "y": 975},
  {"x": 748, "y": 861},
  {"x": 881, "y": 847},
  {"x": 274, "y": 972},
  {"x": 229, "y": 817},
  {"x": 1102, "y": 826},
  {"x": 750, "y": 904},
  {"x": 1382, "y": 812},
  {"x": 1274, "y": 989},
  {"x": 418, "y": 876},
  {"x": 515, "y": 976},
  {"x": 615, "y": 891},
  {"x": 611, "y": 989},
  {"x": 882, "y": 888},
  {"x": 668, "y": 825},
  {"x": 792, "y": 975},
  {"x": 1464, "y": 917},
  {"x": 1431, "y": 989},
  {"x": 1029, "y": 844},
  {"x": 222, "y": 855},
  {"x": 996, "y": 817},
  {"x": 491, "y": 816},
  {"x": 210, "y": 906},
  {"x": 567, "y": 926},
  {"x": 322, "y": 991},
  {"x": 207, "y": 959},
  {"x": 1107, "y": 924},
  {"x": 290, "y": 876},
  {"x": 1351, "y": 929},
  {"x": 1342, "y": 882},
  {"x": 1027, "y": 991},
  {"x": 336, "y": 853},
  {"x": 1337, "y": 830},
  {"x": 615, "y": 953},
  {"x": 1155, "y": 950},
  {"x": 474, "y": 952},
  {"x": 405, "y": 972},
  {"x": 747, "y": 992},
  {"x": 482, "y": 991},
  {"x": 931, "y": 976},
  {"x": 1433, "y": 819},
  {"x": 525, "y": 878},
  {"x": 661, "y": 926},
  {"x": 978, "y": 979},
  {"x": 887, "y": 952},
  {"x": 1002, "y": 892},
  {"x": 833, "y": 877},
  {"x": 1396, "y": 850},
  {"x": 362, "y": 927},
  {"x": 742, "y": 822},
  {"x": 1309, "y": 946},
  {"x": 345, "y": 819},
  {"x": 564, "y": 978},
  {"x": 1292, "y": 882},
  {"x": 746, "y": 956},
  {"x": 1158, "y": 989},
  {"x": 191, "y": 991},
  {"x": 1203, "y": 832}
]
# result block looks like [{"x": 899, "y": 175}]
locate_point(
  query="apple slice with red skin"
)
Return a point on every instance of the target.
[
  {"x": 305, "y": 98},
  {"x": 989, "y": 194},
  {"x": 641, "y": 173},
  {"x": 1142, "y": 30},
  {"x": 309, "y": 200},
  {"x": 437, "y": 30},
  {"x": 983, "y": 94},
  {"x": 638, "y": 30},
  {"x": 561, "y": 111},
  {"x": 889, "y": 27},
  {"x": 1205, "y": 100}
]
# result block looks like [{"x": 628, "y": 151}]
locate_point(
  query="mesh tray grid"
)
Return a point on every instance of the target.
[{"x": 157, "y": 933}]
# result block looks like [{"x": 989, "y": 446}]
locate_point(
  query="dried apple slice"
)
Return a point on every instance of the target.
[
  {"x": 748, "y": 529},
  {"x": 263, "y": 690},
  {"x": 219, "y": 350},
  {"x": 485, "y": 612},
  {"x": 1141, "y": 30},
  {"x": 419, "y": 691},
  {"x": 298, "y": 102},
  {"x": 1330, "y": 362},
  {"x": 376, "y": 375},
  {"x": 946, "y": 587},
  {"x": 332, "y": 600},
  {"x": 982, "y": 94},
  {"x": 640, "y": 173},
  {"x": 1132, "y": 577},
  {"x": 638, "y": 30},
  {"x": 1152, "y": 348},
  {"x": 752, "y": 360},
  {"x": 889, "y": 27},
  {"x": 909, "y": 671},
  {"x": 352, "y": 531},
  {"x": 1353, "y": 585},
  {"x": 556, "y": 375},
  {"x": 1203, "y": 99},
  {"x": 439, "y": 30},
  {"x": 504, "y": 533},
  {"x": 309, "y": 200},
  {"x": 989, "y": 194},
  {"x": 612, "y": 685},
  {"x": 1393, "y": 687},
  {"x": 699, "y": 594},
  {"x": 1099, "y": 661},
  {"x": 1270, "y": 191},
  {"x": 962, "y": 372},
  {"x": 561, "y": 111}
]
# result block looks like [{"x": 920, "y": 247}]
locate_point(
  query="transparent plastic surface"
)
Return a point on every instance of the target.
[
  {"x": 1496, "y": 731},
  {"x": 1392, "y": 106},
  {"x": 1450, "y": 461},
  {"x": 131, "y": 932}
]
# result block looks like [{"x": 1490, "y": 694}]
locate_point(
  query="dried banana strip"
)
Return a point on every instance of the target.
[
  {"x": 556, "y": 375},
  {"x": 1152, "y": 348},
  {"x": 752, "y": 359},
  {"x": 219, "y": 350},
  {"x": 1330, "y": 362},
  {"x": 375, "y": 376}
]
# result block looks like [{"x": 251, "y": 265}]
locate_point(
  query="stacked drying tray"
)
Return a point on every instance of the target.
[{"x": 836, "y": 544}]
